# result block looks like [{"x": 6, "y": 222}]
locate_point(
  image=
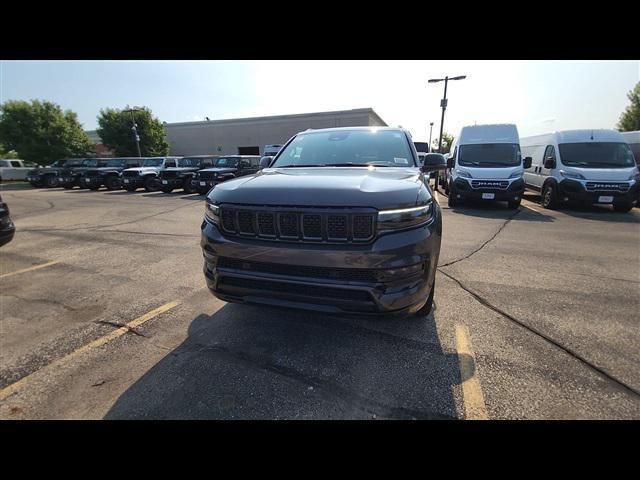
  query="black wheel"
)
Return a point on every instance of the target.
[
  {"x": 94, "y": 188},
  {"x": 51, "y": 181},
  {"x": 35, "y": 185},
  {"x": 130, "y": 188},
  {"x": 186, "y": 186},
  {"x": 452, "y": 201},
  {"x": 112, "y": 183},
  {"x": 167, "y": 189},
  {"x": 68, "y": 187},
  {"x": 513, "y": 205},
  {"x": 426, "y": 309},
  {"x": 622, "y": 207},
  {"x": 150, "y": 184},
  {"x": 549, "y": 197}
]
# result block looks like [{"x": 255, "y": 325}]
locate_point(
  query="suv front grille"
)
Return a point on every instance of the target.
[
  {"x": 168, "y": 174},
  {"x": 607, "y": 187},
  {"x": 344, "y": 274},
  {"x": 207, "y": 175},
  {"x": 130, "y": 174},
  {"x": 300, "y": 225}
]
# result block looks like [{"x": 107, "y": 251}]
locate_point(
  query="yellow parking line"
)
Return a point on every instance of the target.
[
  {"x": 474, "y": 406},
  {"x": 30, "y": 269},
  {"x": 14, "y": 387}
]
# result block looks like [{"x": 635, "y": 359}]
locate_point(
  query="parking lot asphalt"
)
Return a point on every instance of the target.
[{"x": 105, "y": 314}]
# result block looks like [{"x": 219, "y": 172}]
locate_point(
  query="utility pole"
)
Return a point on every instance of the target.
[
  {"x": 443, "y": 103},
  {"x": 135, "y": 129},
  {"x": 430, "y": 131}
]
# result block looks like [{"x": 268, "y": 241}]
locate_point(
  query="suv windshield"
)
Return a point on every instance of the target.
[
  {"x": 227, "y": 162},
  {"x": 73, "y": 163},
  {"x": 597, "y": 155},
  {"x": 360, "y": 148},
  {"x": 490, "y": 155},
  {"x": 189, "y": 162},
  {"x": 114, "y": 163},
  {"x": 91, "y": 162},
  {"x": 152, "y": 162}
]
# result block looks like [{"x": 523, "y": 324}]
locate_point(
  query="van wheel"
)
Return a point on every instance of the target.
[
  {"x": 426, "y": 309},
  {"x": 51, "y": 181},
  {"x": 549, "y": 197},
  {"x": 150, "y": 184},
  {"x": 452, "y": 200},
  {"x": 514, "y": 205},
  {"x": 112, "y": 183},
  {"x": 622, "y": 207}
]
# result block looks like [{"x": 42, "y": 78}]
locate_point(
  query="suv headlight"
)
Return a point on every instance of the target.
[
  {"x": 574, "y": 175},
  {"x": 463, "y": 174},
  {"x": 635, "y": 176},
  {"x": 405, "y": 217},
  {"x": 212, "y": 212}
]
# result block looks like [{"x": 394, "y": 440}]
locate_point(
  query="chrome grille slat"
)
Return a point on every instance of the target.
[
  {"x": 492, "y": 184},
  {"x": 607, "y": 187}
]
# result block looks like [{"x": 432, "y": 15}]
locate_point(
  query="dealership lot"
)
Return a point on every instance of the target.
[{"x": 536, "y": 317}]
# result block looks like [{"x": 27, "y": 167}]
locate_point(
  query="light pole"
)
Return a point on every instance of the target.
[
  {"x": 430, "y": 130},
  {"x": 135, "y": 129},
  {"x": 443, "y": 102}
]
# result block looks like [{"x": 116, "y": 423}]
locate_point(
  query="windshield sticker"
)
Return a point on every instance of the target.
[{"x": 400, "y": 161}]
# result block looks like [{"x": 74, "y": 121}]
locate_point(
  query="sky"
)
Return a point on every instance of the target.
[{"x": 538, "y": 96}]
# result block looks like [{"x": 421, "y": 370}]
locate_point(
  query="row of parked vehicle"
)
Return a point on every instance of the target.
[{"x": 192, "y": 174}]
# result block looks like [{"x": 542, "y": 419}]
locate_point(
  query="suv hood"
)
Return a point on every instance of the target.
[
  {"x": 220, "y": 170},
  {"x": 181, "y": 169},
  {"x": 382, "y": 188},
  {"x": 143, "y": 169}
]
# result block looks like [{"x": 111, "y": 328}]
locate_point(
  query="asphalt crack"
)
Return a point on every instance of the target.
[
  {"x": 122, "y": 325},
  {"x": 41, "y": 300},
  {"x": 483, "y": 301}
]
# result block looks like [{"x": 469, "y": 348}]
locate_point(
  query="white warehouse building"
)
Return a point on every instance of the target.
[{"x": 248, "y": 136}]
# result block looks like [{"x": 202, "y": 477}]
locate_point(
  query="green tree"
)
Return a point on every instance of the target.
[
  {"x": 7, "y": 154},
  {"x": 115, "y": 130},
  {"x": 447, "y": 140},
  {"x": 41, "y": 131},
  {"x": 630, "y": 118}
]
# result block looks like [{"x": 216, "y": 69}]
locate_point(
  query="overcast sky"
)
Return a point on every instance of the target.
[{"x": 538, "y": 96}]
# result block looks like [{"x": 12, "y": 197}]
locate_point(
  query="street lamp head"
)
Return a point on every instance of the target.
[
  {"x": 461, "y": 77},
  {"x": 435, "y": 80}
]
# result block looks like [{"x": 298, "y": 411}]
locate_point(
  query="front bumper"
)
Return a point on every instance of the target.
[
  {"x": 573, "y": 190},
  {"x": 132, "y": 182},
  {"x": 171, "y": 182},
  {"x": 464, "y": 191},
  {"x": 89, "y": 182},
  {"x": 392, "y": 275},
  {"x": 203, "y": 186},
  {"x": 34, "y": 179}
]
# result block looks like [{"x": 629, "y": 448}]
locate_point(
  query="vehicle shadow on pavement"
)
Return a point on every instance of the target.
[
  {"x": 498, "y": 210},
  {"x": 249, "y": 362}
]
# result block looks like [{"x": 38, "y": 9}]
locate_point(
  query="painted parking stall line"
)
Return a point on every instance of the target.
[
  {"x": 30, "y": 269},
  {"x": 474, "y": 405},
  {"x": 14, "y": 387}
]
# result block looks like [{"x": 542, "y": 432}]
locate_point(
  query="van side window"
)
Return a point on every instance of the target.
[{"x": 550, "y": 151}]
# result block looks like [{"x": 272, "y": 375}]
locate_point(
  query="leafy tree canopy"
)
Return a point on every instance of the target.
[
  {"x": 630, "y": 118},
  {"x": 115, "y": 130}
]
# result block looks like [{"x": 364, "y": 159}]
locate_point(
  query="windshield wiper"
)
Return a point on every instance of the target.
[{"x": 298, "y": 166}]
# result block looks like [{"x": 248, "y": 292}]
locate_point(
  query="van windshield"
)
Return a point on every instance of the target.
[
  {"x": 596, "y": 155},
  {"x": 360, "y": 148},
  {"x": 490, "y": 155}
]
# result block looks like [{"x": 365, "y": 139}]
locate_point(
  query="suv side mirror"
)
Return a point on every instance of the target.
[
  {"x": 550, "y": 163},
  {"x": 433, "y": 162},
  {"x": 526, "y": 162},
  {"x": 265, "y": 162}
]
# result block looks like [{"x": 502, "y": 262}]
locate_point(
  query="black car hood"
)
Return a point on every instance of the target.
[
  {"x": 105, "y": 169},
  {"x": 181, "y": 169},
  {"x": 382, "y": 188}
]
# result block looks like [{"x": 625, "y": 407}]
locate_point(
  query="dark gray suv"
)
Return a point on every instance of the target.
[{"x": 342, "y": 220}]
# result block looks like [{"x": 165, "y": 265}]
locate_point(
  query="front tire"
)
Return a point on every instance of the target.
[
  {"x": 549, "y": 197},
  {"x": 187, "y": 186},
  {"x": 513, "y": 205},
  {"x": 150, "y": 184},
  {"x": 113, "y": 183},
  {"x": 167, "y": 189},
  {"x": 622, "y": 207},
  {"x": 452, "y": 200},
  {"x": 428, "y": 307},
  {"x": 51, "y": 181},
  {"x": 130, "y": 188}
]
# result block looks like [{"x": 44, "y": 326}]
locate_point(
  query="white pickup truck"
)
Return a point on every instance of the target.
[{"x": 14, "y": 169}]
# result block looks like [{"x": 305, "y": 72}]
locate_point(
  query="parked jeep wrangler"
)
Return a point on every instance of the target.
[
  {"x": 109, "y": 174},
  {"x": 225, "y": 168},
  {"x": 342, "y": 220},
  {"x": 147, "y": 175},
  {"x": 70, "y": 175},
  {"x": 49, "y": 176},
  {"x": 181, "y": 177}
]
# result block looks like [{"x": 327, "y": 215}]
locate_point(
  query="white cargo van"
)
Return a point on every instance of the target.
[
  {"x": 486, "y": 164},
  {"x": 589, "y": 166},
  {"x": 633, "y": 139}
]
